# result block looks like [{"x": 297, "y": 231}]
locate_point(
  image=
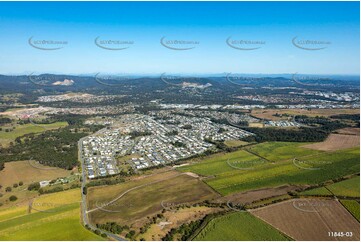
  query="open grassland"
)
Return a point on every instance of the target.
[
  {"x": 319, "y": 191},
  {"x": 28, "y": 172},
  {"x": 336, "y": 142},
  {"x": 278, "y": 151},
  {"x": 353, "y": 207},
  {"x": 316, "y": 167},
  {"x": 20, "y": 130},
  {"x": 222, "y": 163},
  {"x": 144, "y": 197},
  {"x": 310, "y": 219},
  {"x": 59, "y": 219},
  {"x": 346, "y": 188},
  {"x": 239, "y": 226}
]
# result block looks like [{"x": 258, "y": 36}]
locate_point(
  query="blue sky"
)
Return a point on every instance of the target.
[{"x": 209, "y": 23}]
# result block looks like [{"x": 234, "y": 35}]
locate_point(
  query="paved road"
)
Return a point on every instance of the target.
[{"x": 83, "y": 197}]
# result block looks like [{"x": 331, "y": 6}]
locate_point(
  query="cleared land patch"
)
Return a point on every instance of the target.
[
  {"x": 310, "y": 219},
  {"x": 336, "y": 142},
  {"x": 239, "y": 226}
]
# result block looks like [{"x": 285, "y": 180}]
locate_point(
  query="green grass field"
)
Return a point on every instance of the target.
[
  {"x": 147, "y": 197},
  {"x": 227, "y": 179},
  {"x": 347, "y": 188},
  {"x": 20, "y": 130},
  {"x": 320, "y": 191},
  {"x": 353, "y": 207},
  {"x": 59, "y": 219},
  {"x": 222, "y": 163},
  {"x": 278, "y": 151},
  {"x": 238, "y": 226}
]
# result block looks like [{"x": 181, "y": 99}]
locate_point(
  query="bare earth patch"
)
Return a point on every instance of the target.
[
  {"x": 336, "y": 142},
  {"x": 350, "y": 131},
  {"x": 311, "y": 219}
]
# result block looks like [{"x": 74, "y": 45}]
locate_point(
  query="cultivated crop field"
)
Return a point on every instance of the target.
[
  {"x": 346, "y": 188},
  {"x": 316, "y": 167},
  {"x": 144, "y": 197},
  {"x": 239, "y": 226},
  {"x": 310, "y": 219},
  {"x": 279, "y": 151},
  {"x": 353, "y": 207},
  {"x": 54, "y": 217},
  {"x": 223, "y": 163}
]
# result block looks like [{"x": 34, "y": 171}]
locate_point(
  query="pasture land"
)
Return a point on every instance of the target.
[
  {"x": 57, "y": 218},
  {"x": 20, "y": 130},
  {"x": 336, "y": 142},
  {"x": 353, "y": 207},
  {"x": 144, "y": 197},
  {"x": 310, "y": 219},
  {"x": 239, "y": 226}
]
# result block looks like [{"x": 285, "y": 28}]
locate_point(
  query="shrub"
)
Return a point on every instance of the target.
[{"x": 13, "y": 198}]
